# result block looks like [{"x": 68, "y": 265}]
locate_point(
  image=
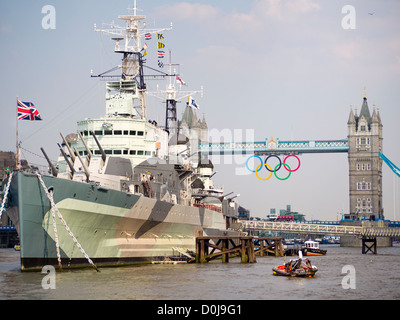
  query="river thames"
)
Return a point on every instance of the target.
[{"x": 343, "y": 274}]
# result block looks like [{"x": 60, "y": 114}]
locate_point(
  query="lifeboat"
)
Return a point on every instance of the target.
[{"x": 296, "y": 268}]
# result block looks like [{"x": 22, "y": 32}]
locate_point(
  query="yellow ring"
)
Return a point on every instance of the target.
[{"x": 265, "y": 164}]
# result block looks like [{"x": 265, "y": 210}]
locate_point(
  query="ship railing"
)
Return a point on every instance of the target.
[{"x": 208, "y": 206}]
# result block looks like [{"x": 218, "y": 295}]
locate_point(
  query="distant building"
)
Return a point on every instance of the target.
[
  {"x": 7, "y": 161},
  {"x": 244, "y": 214},
  {"x": 285, "y": 215}
]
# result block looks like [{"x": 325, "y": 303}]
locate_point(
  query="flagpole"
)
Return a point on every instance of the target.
[{"x": 17, "y": 147}]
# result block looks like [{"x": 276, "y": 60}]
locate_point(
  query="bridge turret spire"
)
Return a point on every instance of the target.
[
  {"x": 365, "y": 168},
  {"x": 365, "y": 111}
]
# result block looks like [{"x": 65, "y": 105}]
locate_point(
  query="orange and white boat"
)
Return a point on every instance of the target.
[
  {"x": 296, "y": 268},
  {"x": 311, "y": 248}
]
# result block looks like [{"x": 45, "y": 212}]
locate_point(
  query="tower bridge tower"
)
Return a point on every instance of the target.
[{"x": 365, "y": 165}]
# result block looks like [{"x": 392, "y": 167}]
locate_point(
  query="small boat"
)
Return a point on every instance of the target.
[
  {"x": 296, "y": 268},
  {"x": 17, "y": 247},
  {"x": 311, "y": 248}
]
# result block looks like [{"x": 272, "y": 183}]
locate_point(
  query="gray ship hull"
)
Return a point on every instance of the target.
[{"x": 113, "y": 227}]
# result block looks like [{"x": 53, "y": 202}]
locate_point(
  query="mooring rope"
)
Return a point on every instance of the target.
[
  {"x": 56, "y": 234},
  {"x": 3, "y": 203},
  {"x": 54, "y": 207}
]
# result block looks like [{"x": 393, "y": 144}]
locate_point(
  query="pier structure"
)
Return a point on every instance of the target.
[
  {"x": 368, "y": 231},
  {"x": 246, "y": 247}
]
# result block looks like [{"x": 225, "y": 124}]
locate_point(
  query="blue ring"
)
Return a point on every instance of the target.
[{"x": 256, "y": 167}]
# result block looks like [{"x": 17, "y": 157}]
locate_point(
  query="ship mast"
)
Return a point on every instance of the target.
[
  {"x": 132, "y": 50},
  {"x": 172, "y": 95}
]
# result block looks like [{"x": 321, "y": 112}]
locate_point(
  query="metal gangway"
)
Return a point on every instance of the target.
[{"x": 365, "y": 230}]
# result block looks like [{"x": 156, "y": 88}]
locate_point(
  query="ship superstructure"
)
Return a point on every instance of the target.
[{"x": 130, "y": 189}]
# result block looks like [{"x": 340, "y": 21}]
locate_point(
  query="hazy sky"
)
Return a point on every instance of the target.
[{"x": 282, "y": 68}]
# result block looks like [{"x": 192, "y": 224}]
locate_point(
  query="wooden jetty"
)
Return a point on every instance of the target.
[
  {"x": 246, "y": 247},
  {"x": 269, "y": 246}
]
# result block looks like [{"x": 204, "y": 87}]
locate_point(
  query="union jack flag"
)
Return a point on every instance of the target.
[{"x": 27, "y": 111}]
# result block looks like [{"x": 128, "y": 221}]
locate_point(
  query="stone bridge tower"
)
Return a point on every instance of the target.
[{"x": 365, "y": 165}]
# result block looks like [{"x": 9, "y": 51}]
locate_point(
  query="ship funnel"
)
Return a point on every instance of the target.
[{"x": 54, "y": 171}]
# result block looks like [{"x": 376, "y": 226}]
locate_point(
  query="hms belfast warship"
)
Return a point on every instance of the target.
[{"x": 125, "y": 189}]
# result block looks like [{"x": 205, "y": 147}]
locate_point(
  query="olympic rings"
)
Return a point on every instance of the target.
[
  {"x": 285, "y": 165},
  {"x": 273, "y": 155},
  {"x": 249, "y": 159},
  {"x": 269, "y": 168},
  {"x": 292, "y": 155},
  {"x": 266, "y": 165}
]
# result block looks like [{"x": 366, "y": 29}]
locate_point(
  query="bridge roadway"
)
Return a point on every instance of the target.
[
  {"x": 274, "y": 146},
  {"x": 366, "y": 230}
]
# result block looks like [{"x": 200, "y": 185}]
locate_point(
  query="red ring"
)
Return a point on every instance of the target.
[{"x": 292, "y": 155}]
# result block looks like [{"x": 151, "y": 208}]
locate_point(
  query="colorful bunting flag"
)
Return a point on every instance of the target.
[{"x": 181, "y": 81}]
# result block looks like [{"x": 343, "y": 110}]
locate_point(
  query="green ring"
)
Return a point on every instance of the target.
[{"x": 285, "y": 164}]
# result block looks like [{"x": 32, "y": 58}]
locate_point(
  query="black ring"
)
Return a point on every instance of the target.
[{"x": 273, "y": 155}]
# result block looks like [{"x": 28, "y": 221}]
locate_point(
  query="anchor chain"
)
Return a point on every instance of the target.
[
  {"x": 6, "y": 194},
  {"x": 54, "y": 207}
]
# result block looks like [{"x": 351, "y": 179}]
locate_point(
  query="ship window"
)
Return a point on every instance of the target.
[
  {"x": 140, "y": 133},
  {"x": 80, "y": 153},
  {"x": 97, "y": 152},
  {"x": 107, "y": 132},
  {"x": 132, "y": 152},
  {"x": 117, "y": 152},
  {"x": 98, "y": 132},
  {"x": 108, "y": 151},
  {"x": 85, "y": 132},
  {"x": 148, "y": 153},
  {"x": 126, "y": 132},
  {"x": 125, "y": 151},
  {"x": 140, "y": 152},
  {"x": 132, "y": 132},
  {"x": 118, "y": 132}
]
